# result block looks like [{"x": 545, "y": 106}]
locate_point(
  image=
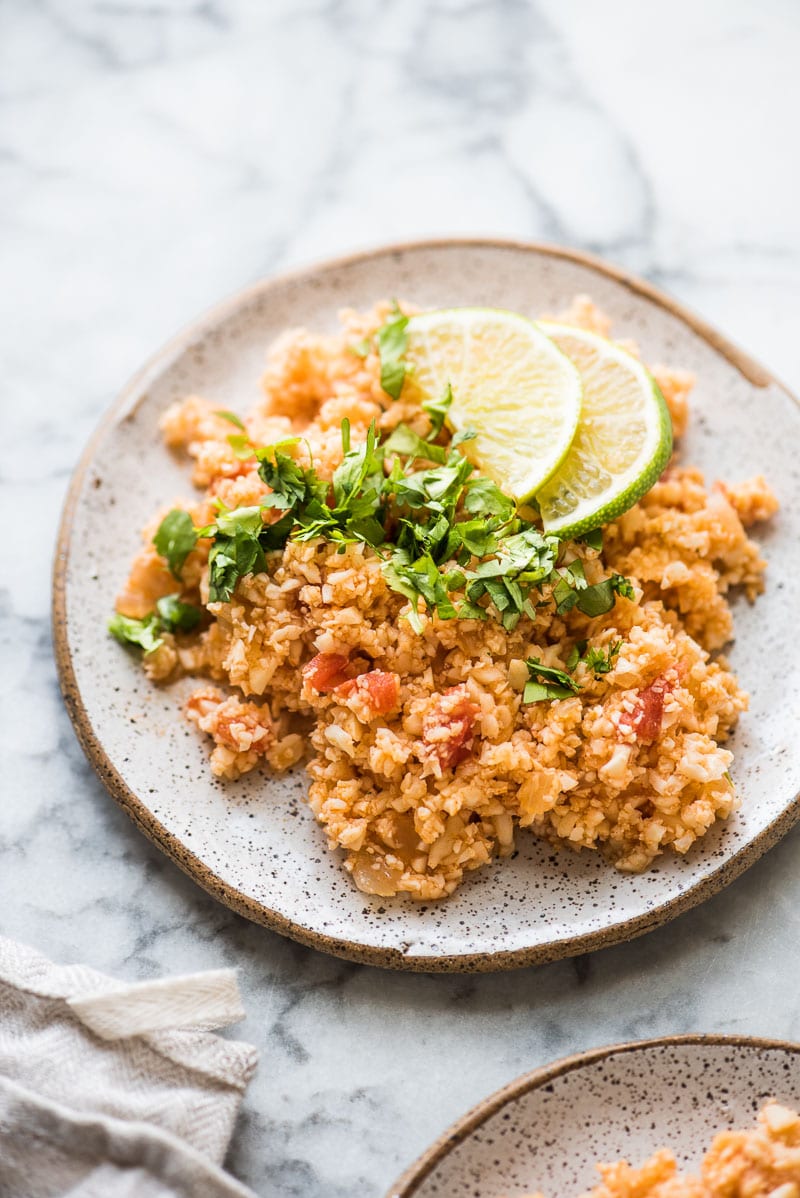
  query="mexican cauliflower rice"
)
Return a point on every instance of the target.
[
  {"x": 762, "y": 1162},
  {"x": 425, "y": 758}
]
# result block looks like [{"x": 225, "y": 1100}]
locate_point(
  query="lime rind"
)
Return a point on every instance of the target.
[
  {"x": 622, "y": 444},
  {"x": 525, "y": 418}
]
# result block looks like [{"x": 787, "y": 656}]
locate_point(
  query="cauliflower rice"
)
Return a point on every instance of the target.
[
  {"x": 763, "y": 1162},
  {"x": 424, "y": 761}
]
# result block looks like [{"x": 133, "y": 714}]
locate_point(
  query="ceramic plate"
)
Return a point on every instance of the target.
[
  {"x": 547, "y": 1130},
  {"x": 254, "y": 844}
]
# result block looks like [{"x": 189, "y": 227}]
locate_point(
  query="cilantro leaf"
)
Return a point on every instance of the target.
[
  {"x": 405, "y": 441},
  {"x": 622, "y": 586},
  {"x": 437, "y": 409},
  {"x": 598, "y": 599},
  {"x": 593, "y": 538},
  {"x": 176, "y": 616},
  {"x": 571, "y": 580},
  {"x": 575, "y": 654},
  {"x": 242, "y": 446},
  {"x": 420, "y": 577},
  {"x": 357, "y": 466},
  {"x": 547, "y": 682},
  {"x": 362, "y": 348},
  {"x": 290, "y": 483},
  {"x": 476, "y": 536},
  {"x": 175, "y": 539},
  {"x": 602, "y": 662},
  {"x": 392, "y": 342},
  {"x": 144, "y": 633},
  {"x": 232, "y": 418},
  {"x": 537, "y": 692},
  {"x": 275, "y": 535},
  {"x": 484, "y": 498},
  {"x": 230, "y": 558},
  {"x": 397, "y": 576}
]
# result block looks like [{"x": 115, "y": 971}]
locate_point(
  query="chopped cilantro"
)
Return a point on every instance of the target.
[
  {"x": 144, "y": 633},
  {"x": 449, "y": 538},
  {"x": 391, "y": 340},
  {"x": 171, "y": 615},
  {"x": 242, "y": 446},
  {"x": 547, "y": 683},
  {"x": 574, "y": 655},
  {"x": 484, "y": 498},
  {"x": 291, "y": 484},
  {"x": 232, "y": 418},
  {"x": 176, "y": 616},
  {"x": 593, "y": 538},
  {"x": 600, "y": 662},
  {"x": 622, "y": 586},
  {"x": 175, "y": 539},
  {"x": 437, "y": 409},
  {"x": 362, "y": 348},
  {"x": 570, "y": 582},
  {"x": 408, "y": 443},
  {"x": 236, "y": 551},
  {"x": 598, "y": 599}
]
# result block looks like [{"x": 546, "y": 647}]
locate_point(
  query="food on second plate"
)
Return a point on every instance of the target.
[
  {"x": 359, "y": 592},
  {"x": 762, "y": 1162}
]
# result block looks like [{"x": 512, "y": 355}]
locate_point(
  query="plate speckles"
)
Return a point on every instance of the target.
[
  {"x": 547, "y": 1130},
  {"x": 254, "y": 844}
]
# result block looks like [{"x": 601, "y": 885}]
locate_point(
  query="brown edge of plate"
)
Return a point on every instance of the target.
[
  {"x": 387, "y": 958},
  {"x": 408, "y": 1184}
]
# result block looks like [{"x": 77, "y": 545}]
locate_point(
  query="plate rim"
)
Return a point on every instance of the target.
[
  {"x": 407, "y": 1185},
  {"x": 376, "y": 955}
]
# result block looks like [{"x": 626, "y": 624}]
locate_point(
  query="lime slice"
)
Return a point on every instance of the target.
[
  {"x": 510, "y": 383},
  {"x": 623, "y": 442}
]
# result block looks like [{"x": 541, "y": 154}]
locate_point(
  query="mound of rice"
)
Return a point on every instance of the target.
[
  {"x": 423, "y": 759},
  {"x": 763, "y": 1162}
]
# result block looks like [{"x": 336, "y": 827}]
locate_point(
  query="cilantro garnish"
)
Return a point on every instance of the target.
[
  {"x": 593, "y": 538},
  {"x": 231, "y": 417},
  {"x": 600, "y": 662},
  {"x": 598, "y": 599},
  {"x": 362, "y": 348},
  {"x": 570, "y": 582},
  {"x": 175, "y": 539},
  {"x": 547, "y": 683},
  {"x": 574, "y": 655},
  {"x": 176, "y": 616},
  {"x": 171, "y": 615},
  {"x": 144, "y": 633},
  {"x": 437, "y": 409},
  {"x": 453, "y": 540},
  {"x": 242, "y": 446},
  {"x": 571, "y": 590},
  {"x": 236, "y": 551},
  {"x": 392, "y": 341}
]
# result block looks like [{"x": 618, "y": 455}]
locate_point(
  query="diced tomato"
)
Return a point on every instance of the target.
[
  {"x": 326, "y": 671},
  {"x": 378, "y": 689},
  {"x": 645, "y": 719},
  {"x": 447, "y": 727}
]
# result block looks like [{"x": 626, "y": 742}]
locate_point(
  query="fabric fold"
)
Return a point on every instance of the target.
[{"x": 95, "y": 1071}]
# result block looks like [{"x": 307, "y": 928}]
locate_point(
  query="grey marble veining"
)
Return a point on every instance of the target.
[{"x": 156, "y": 157}]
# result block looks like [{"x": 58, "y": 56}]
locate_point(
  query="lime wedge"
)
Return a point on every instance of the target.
[
  {"x": 510, "y": 383},
  {"x": 623, "y": 442}
]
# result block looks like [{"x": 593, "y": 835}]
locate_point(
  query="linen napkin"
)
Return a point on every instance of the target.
[{"x": 108, "y": 1088}]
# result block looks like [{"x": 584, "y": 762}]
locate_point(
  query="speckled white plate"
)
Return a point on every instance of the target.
[
  {"x": 547, "y": 1130},
  {"x": 254, "y": 844}
]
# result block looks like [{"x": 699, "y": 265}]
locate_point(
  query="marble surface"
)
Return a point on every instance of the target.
[{"x": 154, "y": 158}]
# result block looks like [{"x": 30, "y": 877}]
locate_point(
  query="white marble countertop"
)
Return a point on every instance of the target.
[{"x": 156, "y": 157}]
